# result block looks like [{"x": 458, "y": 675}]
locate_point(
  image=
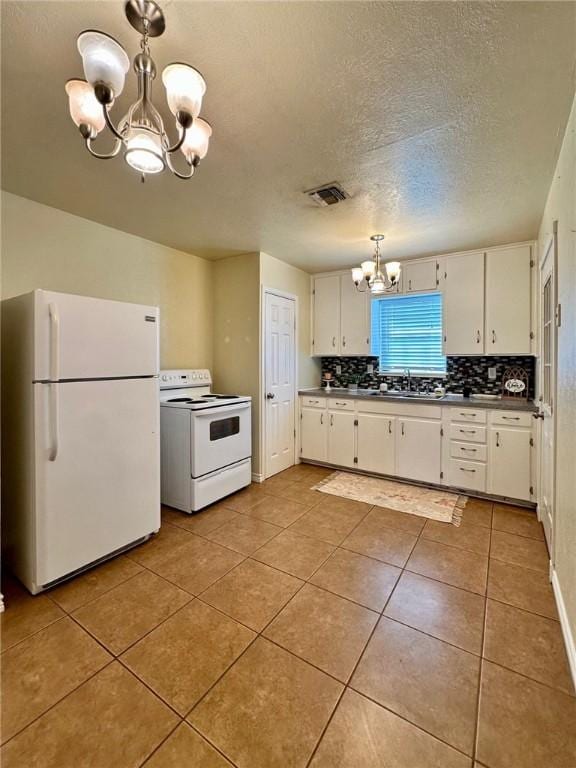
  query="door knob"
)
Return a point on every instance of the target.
[
  {"x": 538, "y": 415},
  {"x": 270, "y": 395}
]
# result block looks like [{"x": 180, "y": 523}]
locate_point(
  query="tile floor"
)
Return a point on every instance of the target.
[{"x": 283, "y": 628}]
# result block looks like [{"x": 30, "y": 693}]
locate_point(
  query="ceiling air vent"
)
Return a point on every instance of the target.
[{"x": 327, "y": 194}]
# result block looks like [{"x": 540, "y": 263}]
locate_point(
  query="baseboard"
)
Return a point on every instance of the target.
[
  {"x": 257, "y": 478},
  {"x": 565, "y": 624}
]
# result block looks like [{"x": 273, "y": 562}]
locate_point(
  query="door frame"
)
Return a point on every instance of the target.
[
  {"x": 549, "y": 251},
  {"x": 265, "y": 291}
]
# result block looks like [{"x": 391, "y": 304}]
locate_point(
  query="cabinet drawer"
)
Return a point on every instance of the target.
[
  {"x": 511, "y": 418},
  {"x": 313, "y": 402},
  {"x": 468, "y": 415},
  {"x": 337, "y": 404},
  {"x": 467, "y": 474},
  {"x": 467, "y": 451},
  {"x": 468, "y": 433}
]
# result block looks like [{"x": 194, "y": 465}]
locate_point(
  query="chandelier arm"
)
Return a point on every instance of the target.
[
  {"x": 100, "y": 156},
  {"x": 177, "y": 173},
  {"x": 110, "y": 124},
  {"x": 175, "y": 147}
]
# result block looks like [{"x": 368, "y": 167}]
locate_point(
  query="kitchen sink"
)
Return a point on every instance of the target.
[{"x": 402, "y": 395}]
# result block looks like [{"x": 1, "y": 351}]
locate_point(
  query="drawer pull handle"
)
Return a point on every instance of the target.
[
  {"x": 511, "y": 418},
  {"x": 463, "y": 469},
  {"x": 468, "y": 431},
  {"x": 337, "y": 403},
  {"x": 497, "y": 439},
  {"x": 321, "y": 418},
  {"x": 468, "y": 415},
  {"x": 313, "y": 401},
  {"x": 472, "y": 450}
]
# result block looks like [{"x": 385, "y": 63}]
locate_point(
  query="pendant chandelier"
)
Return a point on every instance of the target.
[
  {"x": 141, "y": 132},
  {"x": 369, "y": 275}
]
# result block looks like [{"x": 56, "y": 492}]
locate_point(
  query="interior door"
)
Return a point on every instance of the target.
[
  {"x": 77, "y": 337},
  {"x": 97, "y": 476},
  {"x": 279, "y": 382},
  {"x": 354, "y": 320},
  {"x": 326, "y": 316},
  {"x": 464, "y": 305},
  {"x": 548, "y": 334},
  {"x": 508, "y": 312}
]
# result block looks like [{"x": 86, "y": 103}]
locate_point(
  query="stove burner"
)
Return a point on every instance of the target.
[
  {"x": 180, "y": 400},
  {"x": 225, "y": 397}
]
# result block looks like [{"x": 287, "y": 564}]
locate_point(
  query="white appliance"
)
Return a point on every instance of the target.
[
  {"x": 206, "y": 443},
  {"x": 80, "y": 444}
]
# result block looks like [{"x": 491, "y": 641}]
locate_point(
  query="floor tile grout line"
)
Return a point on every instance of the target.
[
  {"x": 211, "y": 743},
  {"x": 59, "y": 701},
  {"x": 157, "y": 747},
  {"x": 483, "y": 639},
  {"x": 32, "y": 634}
]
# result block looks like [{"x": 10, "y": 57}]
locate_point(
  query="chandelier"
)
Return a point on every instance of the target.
[
  {"x": 141, "y": 132},
  {"x": 369, "y": 275}
]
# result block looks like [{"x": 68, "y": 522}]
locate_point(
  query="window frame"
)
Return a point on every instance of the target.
[{"x": 416, "y": 372}]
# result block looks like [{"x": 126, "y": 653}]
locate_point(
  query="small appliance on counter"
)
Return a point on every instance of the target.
[
  {"x": 80, "y": 442},
  {"x": 205, "y": 439}
]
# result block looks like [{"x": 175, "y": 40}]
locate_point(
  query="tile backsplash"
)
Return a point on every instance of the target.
[{"x": 471, "y": 370}]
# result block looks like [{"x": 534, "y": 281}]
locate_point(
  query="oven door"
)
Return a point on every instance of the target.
[{"x": 220, "y": 436}]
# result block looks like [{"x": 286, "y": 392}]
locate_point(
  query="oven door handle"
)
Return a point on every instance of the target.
[{"x": 223, "y": 410}]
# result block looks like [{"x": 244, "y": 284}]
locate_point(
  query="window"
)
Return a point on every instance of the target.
[{"x": 407, "y": 333}]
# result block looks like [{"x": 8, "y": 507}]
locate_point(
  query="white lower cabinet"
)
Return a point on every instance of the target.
[
  {"x": 419, "y": 449},
  {"x": 478, "y": 451},
  {"x": 341, "y": 438},
  {"x": 313, "y": 434},
  {"x": 376, "y": 443},
  {"x": 509, "y": 466}
]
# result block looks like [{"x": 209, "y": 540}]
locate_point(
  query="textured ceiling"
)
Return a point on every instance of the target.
[{"x": 443, "y": 121}]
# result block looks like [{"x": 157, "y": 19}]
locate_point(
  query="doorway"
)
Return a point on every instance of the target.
[
  {"x": 548, "y": 346},
  {"x": 279, "y": 382}
]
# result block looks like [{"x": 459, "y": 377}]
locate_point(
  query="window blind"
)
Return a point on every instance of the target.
[{"x": 407, "y": 333}]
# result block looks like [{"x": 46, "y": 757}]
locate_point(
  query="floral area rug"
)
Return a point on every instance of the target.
[{"x": 413, "y": 499}]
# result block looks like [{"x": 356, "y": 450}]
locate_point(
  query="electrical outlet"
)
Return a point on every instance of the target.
[
  {"x": 370, "y": 368},
  {"x": 492, "y": 373},
  {"x": 338, "y": 370}
]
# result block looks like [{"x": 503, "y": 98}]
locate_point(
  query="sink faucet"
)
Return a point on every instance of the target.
[{"x": 409, "y": 375}]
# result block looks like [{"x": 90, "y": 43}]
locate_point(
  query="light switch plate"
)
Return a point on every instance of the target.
[
  {"x": 338, "y": 370},
  {"x": 370, "y": 368},
  {"x": 492, "y": 374}
]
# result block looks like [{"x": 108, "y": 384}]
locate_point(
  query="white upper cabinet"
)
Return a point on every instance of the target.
[
  {"x": 354, "y": 320},
  {"x": 464, "y": 305},
  {"x": 508, "y": 311},
  {"x": 326, "y": 316},
  {"x": 420, "y": 276}
]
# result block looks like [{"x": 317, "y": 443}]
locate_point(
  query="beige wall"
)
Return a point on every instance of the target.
[
  {"x": 561, "y": 206},
  {"x": 43, "y": 247},
  {"x": 236, "y": 318}
]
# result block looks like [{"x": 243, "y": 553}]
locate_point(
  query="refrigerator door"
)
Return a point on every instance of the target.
[
  {"x": 77, "y": 337},
  {"x": 97, "y": 471}
]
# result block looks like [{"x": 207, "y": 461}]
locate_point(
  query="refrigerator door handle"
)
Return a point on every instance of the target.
[
  {"x": 54, "y": 342},
  {"x": 54, "y": 419}
]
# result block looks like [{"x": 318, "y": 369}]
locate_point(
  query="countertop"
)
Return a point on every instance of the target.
[{"x": 449, "y": 399}]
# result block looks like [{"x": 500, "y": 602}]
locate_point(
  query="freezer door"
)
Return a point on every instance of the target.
[
  {"x": 76, "y": 337},
  {"x": 97, "y": 471}
]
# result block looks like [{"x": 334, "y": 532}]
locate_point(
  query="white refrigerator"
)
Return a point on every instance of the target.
[{"x": 80, "y": 432}]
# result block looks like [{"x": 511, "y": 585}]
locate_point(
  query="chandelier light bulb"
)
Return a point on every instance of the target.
[
  {"x": 144, "y": 152},
  {"x": 357, "y": 275},
  {"x": 84, "y": 107},
  {"x": 393, "y": 271},
  {"x": 197, "y": 139},
  {"x": 105, "y": 61},
  {"x": 185, "y": 88},
  {"x": 368, "y": 268}
]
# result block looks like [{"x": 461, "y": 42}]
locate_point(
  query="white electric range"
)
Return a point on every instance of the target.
[{"x": 205, "y": 440}]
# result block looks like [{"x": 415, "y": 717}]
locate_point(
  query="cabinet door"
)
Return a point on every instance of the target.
[
  {"x": 341, "y": 438},
  {"x": 376, "y": 438},
  {"x": 419, "y": 449},
  {"x": 313, "y": 434},
  {"x": 354, "y": 321},
  {"x": 508, "y": 312},
  {"x": 326, "y": 316},
  {"x": 464, "y": 305},
  {"x": 420, "y": 276},
  {"x": 509, "y": 462}
]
